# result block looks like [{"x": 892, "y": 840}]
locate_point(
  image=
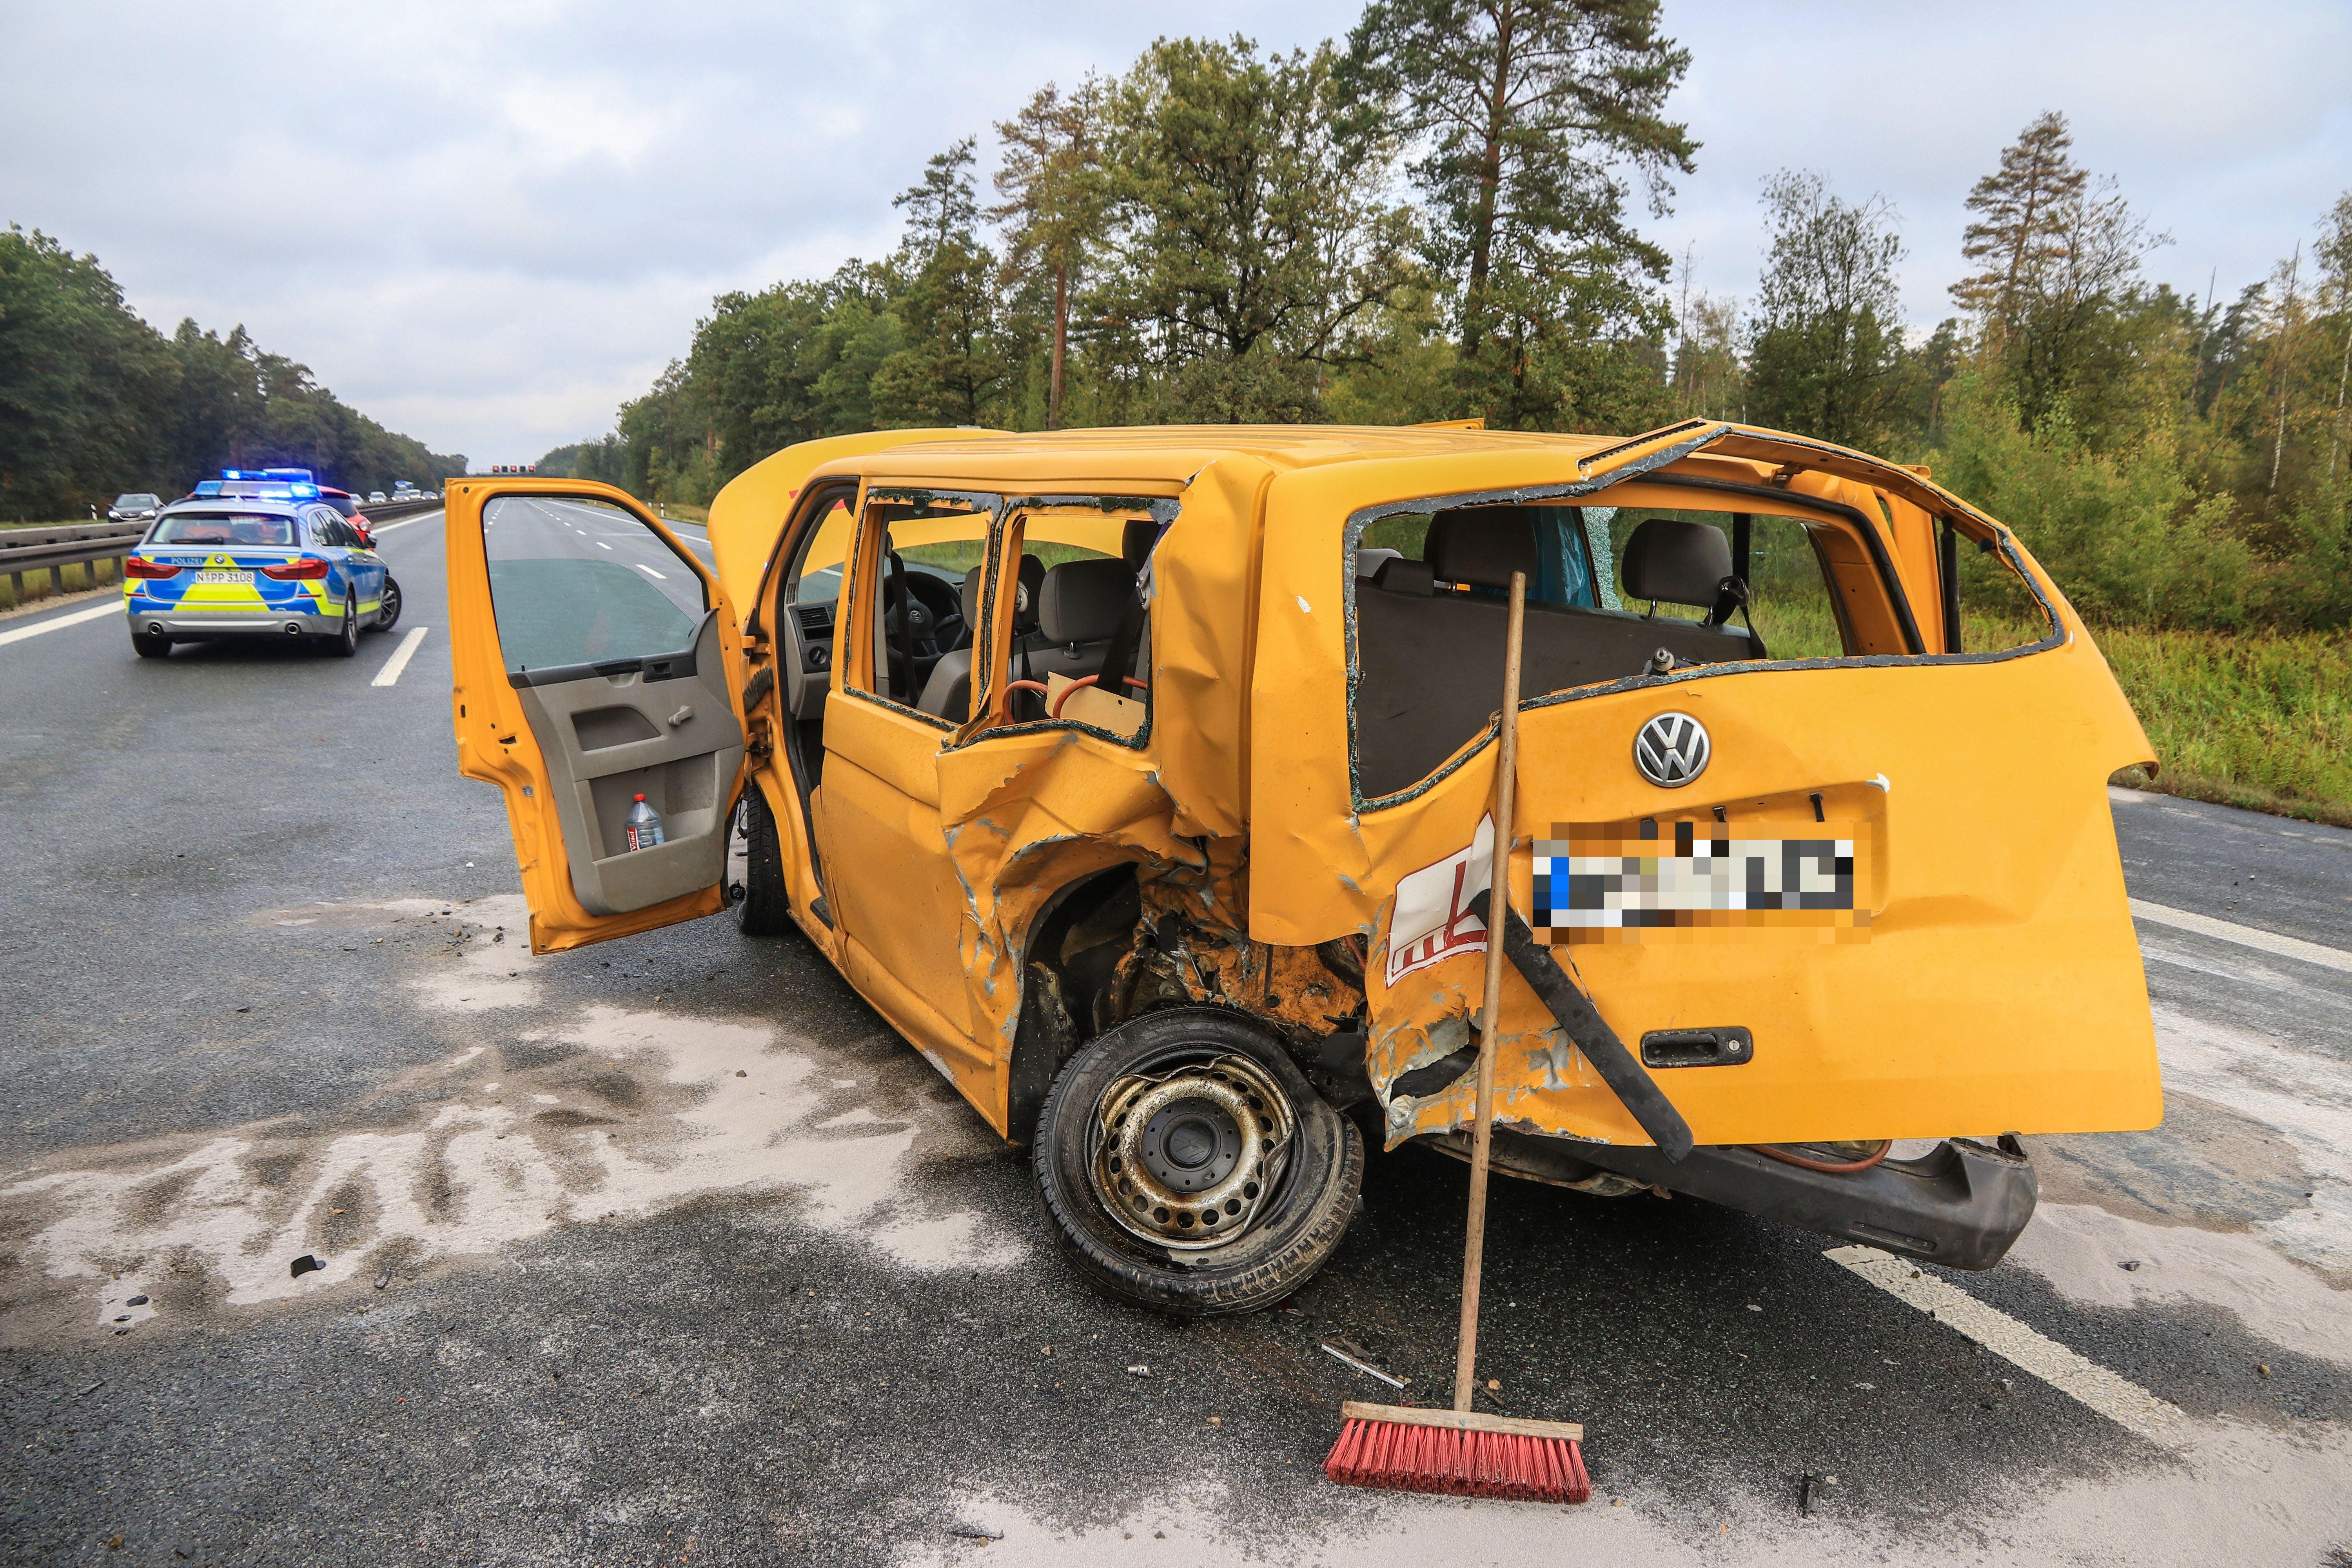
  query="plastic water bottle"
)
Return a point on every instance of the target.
[{"x": 644, "y": 824}]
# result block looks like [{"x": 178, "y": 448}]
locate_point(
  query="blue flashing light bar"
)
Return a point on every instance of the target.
[{"x": 208, "y": 486}]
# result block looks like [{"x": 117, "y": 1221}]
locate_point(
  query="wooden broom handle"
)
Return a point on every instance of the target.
[{"x": 1482, "y": 1132}]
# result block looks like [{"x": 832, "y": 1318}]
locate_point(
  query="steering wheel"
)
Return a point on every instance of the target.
[{"x": 921, "y": 627}]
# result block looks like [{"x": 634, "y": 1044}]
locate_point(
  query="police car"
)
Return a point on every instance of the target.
[{"x": 255, "y": 554}]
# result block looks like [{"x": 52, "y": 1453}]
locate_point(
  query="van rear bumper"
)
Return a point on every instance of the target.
[{"x": 1960, "y": 1205}]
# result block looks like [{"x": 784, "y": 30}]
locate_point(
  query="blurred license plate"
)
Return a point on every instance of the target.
[
  {"x": 226, "y": 579},
  {"x": 1592, "y": 884}
]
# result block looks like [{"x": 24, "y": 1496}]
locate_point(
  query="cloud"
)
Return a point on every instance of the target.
[{"x": 488, "y": 222}]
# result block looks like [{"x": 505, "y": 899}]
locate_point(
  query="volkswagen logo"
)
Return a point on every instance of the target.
[{"x": 1671, "y": 750}]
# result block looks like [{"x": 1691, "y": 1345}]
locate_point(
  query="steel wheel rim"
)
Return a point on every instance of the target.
[{"x": 1189, "y": 1150}]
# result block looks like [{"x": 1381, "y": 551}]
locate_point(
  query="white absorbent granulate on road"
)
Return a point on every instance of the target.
[
  {"x": 636, "y": 1111},
  {"x": 2125, "y": 1402}
]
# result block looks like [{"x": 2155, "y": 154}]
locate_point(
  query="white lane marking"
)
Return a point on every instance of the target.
[
  {"x": 114, "y": 607},
  {"x": 602, "y": 545},
  {"x": 2121, "y": 1401},
  {"x": 390, "y": 673},
  {"x": 2245, "y": 936},
  {"x": 404, "y": 522},
  {"x": 650, "y": 572}
]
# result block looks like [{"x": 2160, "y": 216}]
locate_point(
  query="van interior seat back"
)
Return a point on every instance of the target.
[
  {"x": 1672, "y": 562},
  {"x": 1072, "y": 612},
  {"x": 1429, "y": 660},
  {"x": 1481, "y": 546}
]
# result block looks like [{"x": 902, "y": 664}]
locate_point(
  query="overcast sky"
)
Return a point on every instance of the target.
[{"x": 487, "y": 223}]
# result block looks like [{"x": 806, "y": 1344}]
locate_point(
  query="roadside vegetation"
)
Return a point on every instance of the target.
[
  {"x": 47, "y": 582},
  {"x": 1439, "y": 217},
  {"x": 94, "y": 402}
]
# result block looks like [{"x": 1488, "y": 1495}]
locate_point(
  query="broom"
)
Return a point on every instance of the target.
[{"x": 1459, "y": 1452}]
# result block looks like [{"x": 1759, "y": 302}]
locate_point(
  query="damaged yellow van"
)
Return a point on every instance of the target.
[{"x": 1141, "y": 778}]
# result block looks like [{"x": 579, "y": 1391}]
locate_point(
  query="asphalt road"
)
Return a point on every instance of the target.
[{"x": 747, "y": 1284}]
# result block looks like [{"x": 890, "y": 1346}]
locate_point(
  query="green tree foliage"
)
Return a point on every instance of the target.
[
  {"x": 1440, "y": 222},
  {"x": 93, "y": 401},
  {"x": 1528, "y": 114},
  {"x": 2061, "y": 254},
  {"x": 1825, "y": 344},
  {"x": 955, "y": 358},
  {"x": 1250, "y": 242}
]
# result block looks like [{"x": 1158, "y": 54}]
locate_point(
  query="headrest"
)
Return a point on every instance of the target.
[
  {"x": 1135, "y": 541},
  {"x": 1024, "y": 606},
  {"x": 1083, "y": 600},
  {"x": 1482, "y": 545},
  {"x": 1370, "y": 562},
  {"x": 1402, "y": 576},
  {"x": 972, "y": 596},
  {"x": 1677, "y": 563}
]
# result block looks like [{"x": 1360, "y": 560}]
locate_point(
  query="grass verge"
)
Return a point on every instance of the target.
[
  {"x": 43, "y": 583},
  {"x": 2261, "y": 721},
  {"x": 2258, "y": 721}
]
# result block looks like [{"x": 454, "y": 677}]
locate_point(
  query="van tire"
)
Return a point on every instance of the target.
[
  {"x": 755, "y": 868},
  {"x": 1316, "y": 1195}
]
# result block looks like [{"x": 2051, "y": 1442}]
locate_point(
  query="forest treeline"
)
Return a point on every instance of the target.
[
  {"x": 1440, "y": 217},
  {"x": 95, "y": 402}
]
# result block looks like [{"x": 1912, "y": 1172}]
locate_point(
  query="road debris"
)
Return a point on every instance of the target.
[
  {"x": 1368, "y": 1370},
  {"x": 307, "y": 1264}
]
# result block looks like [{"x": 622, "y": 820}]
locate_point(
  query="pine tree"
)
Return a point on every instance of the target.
[
  {"x": 1527, "y": 110},
  {"x": 954, "y": 359},
  {"x": 2061, "y": 252},
  {"x": 1051, "y": 180},
  {"x": 2019, "y": 232}
]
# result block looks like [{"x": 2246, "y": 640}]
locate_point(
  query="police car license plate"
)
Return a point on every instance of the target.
[{"x": 226, "y": 579}]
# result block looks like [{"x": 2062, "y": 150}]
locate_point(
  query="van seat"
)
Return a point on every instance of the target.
[{"x": 1431, "y": 665}]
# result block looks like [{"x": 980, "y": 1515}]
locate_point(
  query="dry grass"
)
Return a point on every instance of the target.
[{"x": 41, "y": 582}]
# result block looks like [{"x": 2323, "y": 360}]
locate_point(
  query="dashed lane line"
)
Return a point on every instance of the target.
[
  {"x": 390, "y": 674},
  {"x": 114, "y": 607},
  {"x": 2245, "y": 936},
  {"x": 2121, "y": 1401}
]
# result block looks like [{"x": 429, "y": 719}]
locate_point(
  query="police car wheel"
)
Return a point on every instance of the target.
[
  {"x": 388, "y": 609},
  {"x": 755, "y": 869},
  {"x": 1190, "y": 1167},
  {"x": 149, "y": 646},
  {"x": 344, "y": 643}
]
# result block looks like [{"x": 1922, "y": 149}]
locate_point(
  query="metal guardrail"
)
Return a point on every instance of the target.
[{"x": 24, "y": 549}]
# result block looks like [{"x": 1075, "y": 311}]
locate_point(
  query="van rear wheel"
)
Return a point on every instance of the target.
[{"x": 1190, "y": 1168}]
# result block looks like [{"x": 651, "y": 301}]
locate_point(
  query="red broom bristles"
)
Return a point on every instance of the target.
[{"x": 1455, "y": 1463}]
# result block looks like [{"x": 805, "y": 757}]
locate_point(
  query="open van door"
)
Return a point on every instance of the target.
[{"x": 597, "y": 663}]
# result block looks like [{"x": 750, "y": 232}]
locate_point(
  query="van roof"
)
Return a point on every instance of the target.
[{"x": 1176, "y": 452}]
